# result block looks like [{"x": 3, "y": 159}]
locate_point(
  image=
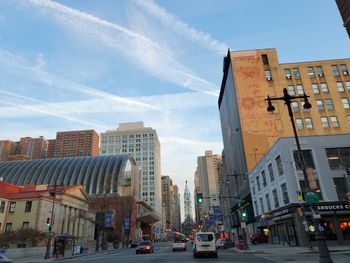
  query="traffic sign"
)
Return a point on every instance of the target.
[{"x": 311, "y": 197}]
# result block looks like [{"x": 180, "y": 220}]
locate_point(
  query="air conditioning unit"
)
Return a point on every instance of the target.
[
  {"x": 288, "y": 76},
  {"x": 345, "y": 73},
  {"x": 269, "y": 78}
]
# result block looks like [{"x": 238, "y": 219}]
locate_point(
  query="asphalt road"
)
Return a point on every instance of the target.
[{"x": 164, "y": 254}]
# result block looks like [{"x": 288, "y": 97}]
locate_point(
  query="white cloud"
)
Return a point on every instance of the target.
[{"x": 185, "y": 30}]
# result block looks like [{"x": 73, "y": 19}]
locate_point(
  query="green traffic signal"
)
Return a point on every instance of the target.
[{"x": 200, "y": 198}]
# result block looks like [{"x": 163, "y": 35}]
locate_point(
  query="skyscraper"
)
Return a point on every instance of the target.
[
  {"x": 177, "y": 209},
  {"x": 143, "y": 144}
]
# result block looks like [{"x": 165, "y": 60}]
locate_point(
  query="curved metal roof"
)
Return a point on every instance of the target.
[{"x": 93, "y": 173}]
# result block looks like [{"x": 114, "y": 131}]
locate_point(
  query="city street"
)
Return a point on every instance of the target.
[{"x": 163, "y": 254}]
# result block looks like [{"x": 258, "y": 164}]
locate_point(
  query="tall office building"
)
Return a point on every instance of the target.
[
  {"x": 143, "y": 144},
  {"x": 167, "y": 202},
  {"x": 208, "y": 183},
  {"x": 75, "y": 143},
  {"x": 177, "y": 209},
  {"x": 249, "y": 131}
]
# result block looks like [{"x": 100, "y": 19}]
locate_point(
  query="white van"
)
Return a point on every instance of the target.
[{"x": 204, "y": 244}]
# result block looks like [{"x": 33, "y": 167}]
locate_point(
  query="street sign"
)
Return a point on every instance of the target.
[
  {"x": 126, "y": 223},
  {"x": 311, "y": 197}
]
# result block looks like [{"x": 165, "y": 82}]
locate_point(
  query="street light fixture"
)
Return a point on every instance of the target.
[{"x": 288, "y": 99}]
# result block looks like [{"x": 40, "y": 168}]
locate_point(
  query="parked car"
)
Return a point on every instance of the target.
[
  {"x": 4, "y": 259},
  {"x": 179, "y": 245},
  {"x": 259, "y": 238},
  {"x": 135, "y": 243},
  {"x": 220, "y": 243},
  {"x": 145, "y": 247}
]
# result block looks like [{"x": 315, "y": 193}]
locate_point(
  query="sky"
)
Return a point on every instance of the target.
[{"x": 92, "y": 64}]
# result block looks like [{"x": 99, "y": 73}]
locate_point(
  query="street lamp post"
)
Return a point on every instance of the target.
[
  {"x": 288, "y": 99},
  {"x": 243, "y": 223},
  {"x": 48, "y": 245}
]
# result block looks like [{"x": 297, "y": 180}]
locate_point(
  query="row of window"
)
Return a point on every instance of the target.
[
  {"x": 131, "y": 136},
  {"x": 319, "y": 70},
  {"x": 316, "y": 88},
  {"x": 262, "y": 209},
  {"x": 12, "y": 207},
  {"x": 8, "y": 226},
  {"x": 324, "y": 121}
]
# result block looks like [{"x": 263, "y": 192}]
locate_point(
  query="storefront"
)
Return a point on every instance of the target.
[{"x": 293, "y": 224}]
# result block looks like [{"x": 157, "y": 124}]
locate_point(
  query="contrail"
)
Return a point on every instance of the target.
[
  {"x": 140, "y": 50},
  {"x": 174, "y": 23}
]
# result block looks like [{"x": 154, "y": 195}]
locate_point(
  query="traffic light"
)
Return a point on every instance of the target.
[
  {"x": 48, "y": 224},
  {"x": 199, "y": 198},
  {"x": 244, "y": 215}
]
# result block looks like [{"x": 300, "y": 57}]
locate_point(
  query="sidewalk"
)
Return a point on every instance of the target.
[{"x": 287, "y": 250}]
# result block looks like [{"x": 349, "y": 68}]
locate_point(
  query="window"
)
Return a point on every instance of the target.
[
  {"x": 2, "y": 207},
  {"x": 324, "y": 87},
  {"x": 308, "y": 123},
  {"x": 329, "y": 104},
  {"x": 295, "y": 106},
  {"x": 285, "y": 194},
  {"x": 335, "y": 70},
  {"x": 253, "y": 188},
  {"x": 305, "y": 157},
  {"x": 12, "y": 207},
  {"x": 287, "y": 73},
  {"x": 8, "y": 227},
  {"x": 324, "y": 121},
  {"x": 265, "y": 59},
  {"x": 268, "y": 74},
  {"x": 300, "y": 89},
  {"x": 345, "y": 103},
  {"x": 272, "y": 176},
  {"x": 275, "y": 198},
  {"x": 319, "y": 104},
  {"x": 296, "y": 73},
  {"x": 311, "y": 72},
  {"x": 262, "y": 205},
  {"x": 320, "y": 71},
  {"x": 348, "y": 117},
  {"x": 25, "y": 225},
  {"x": 334, "y": 121},
  {"x": 279, "y": 165},
  {"x": 28, "y": 207},
  {"x": 256, "y": 207},
  {"x": 338, "y": 158},
  {"x": 291, "y": 90},
  {"x": 315, "y": 88},
  {"x": 258, "y": 183},
  {"x": 347, "y": 83},
  {"x": 344, "y": 69},
  {"x": 264, "y": 178},
  {"x": 340, "y": 86},
  {"x": 299, "y": 123},
  {"x": 268, "y": 202}
]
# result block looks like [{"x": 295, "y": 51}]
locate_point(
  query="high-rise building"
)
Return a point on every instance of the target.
[
  {"x": 207, "y": 183},
  {"x": 249, "y": 131},
  {"x": 76, "y": 143},
  {"x": 142, "y": 143},
  {"x": 167, "y": 202},
  {"x": 26, "y": 148},
  {"x": 177, "y": 209},
  {"x": 344, "y": 9}
]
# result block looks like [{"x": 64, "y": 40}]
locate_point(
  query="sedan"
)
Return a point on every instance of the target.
[{"x": 144, "y": 247}]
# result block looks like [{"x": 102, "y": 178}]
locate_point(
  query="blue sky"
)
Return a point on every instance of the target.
[{"x": 91, "y": 64}]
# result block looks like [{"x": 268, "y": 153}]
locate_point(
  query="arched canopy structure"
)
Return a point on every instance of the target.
[{"x": 98, "y": 175}]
